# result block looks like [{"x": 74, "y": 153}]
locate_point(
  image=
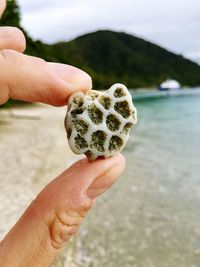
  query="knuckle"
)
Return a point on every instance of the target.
[
  {"x": 72, "y": 230},
  {"x": 57, "y": 235},
  {"x": 61, "y": 231},
  {"x": 85, "y": 204},
  {"x": 19, "y": 38},
  {"x": 13, "y": 38},
  {"x": 67, "y": 222},
  {"x": 3, "y": 56},
  {"x": 8, "y": 57},
  {"x": 69, "y": 218}
]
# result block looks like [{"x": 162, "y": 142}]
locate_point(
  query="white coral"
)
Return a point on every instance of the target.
[{"x": 98, "y": 123}]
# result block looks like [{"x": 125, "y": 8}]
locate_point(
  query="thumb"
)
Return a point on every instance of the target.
[
  {"x": 32, "y": 79},
  {"x": 56, "y": 214}
]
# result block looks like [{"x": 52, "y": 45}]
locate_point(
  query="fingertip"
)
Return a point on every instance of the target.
[
  {"x": 79, "y": 82},
  {"x": 100, "y": 163},
  {"x": 2, "y": 7},
  {"x": 86, "y": 172},
  {"x": 83, "y": 78},
  {"x": 117, "y": 165},
  {"x": 74, "y": 78},
  {"x": 12, "y": 38},
  {"x": 105, "y": 181},
  {"x": 119, "y": 159},
  {"x": 19, "y": 39}
]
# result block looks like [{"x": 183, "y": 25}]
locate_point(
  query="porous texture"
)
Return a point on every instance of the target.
[{"x": 98, "y": 123}]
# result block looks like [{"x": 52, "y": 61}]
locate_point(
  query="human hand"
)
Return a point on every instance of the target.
[{"x": 58, "y": 211}]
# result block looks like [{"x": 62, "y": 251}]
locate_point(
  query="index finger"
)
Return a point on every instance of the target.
[
  {"x": 2, "y": 6},
  {"x": 32, "y": 79}
]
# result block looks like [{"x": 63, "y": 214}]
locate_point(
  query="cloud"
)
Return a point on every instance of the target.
[{"x": 172, "y": 24}]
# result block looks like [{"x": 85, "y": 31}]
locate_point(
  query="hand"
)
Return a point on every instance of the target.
[{"x": 58, "y": 211}]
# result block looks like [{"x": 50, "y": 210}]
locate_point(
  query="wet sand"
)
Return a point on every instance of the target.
[{"x": 34, "y": 150}]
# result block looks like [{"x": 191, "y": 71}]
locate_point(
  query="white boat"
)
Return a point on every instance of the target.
[{"x": 170, "y": 85}]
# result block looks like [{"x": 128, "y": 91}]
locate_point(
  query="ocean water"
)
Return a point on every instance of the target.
[{"x": 151, "y": 217}]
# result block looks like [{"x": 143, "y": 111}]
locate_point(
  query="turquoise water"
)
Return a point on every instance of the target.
[{"x": 151, "y": 217}]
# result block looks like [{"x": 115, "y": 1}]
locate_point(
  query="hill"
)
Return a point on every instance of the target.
[
  {"x": 111, "y": 57},
  {"x": 116, "y": 56}
]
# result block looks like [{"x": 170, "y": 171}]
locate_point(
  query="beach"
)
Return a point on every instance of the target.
[
  {"x": 34, "y": 150},
  {"x": 150, "y": 218}
]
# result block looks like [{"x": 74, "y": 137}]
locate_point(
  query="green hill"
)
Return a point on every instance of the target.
[
  {"x": 111, "y": 57},
  {"x": 116, "y": 56}
]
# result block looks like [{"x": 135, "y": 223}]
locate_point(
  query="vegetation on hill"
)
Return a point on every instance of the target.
[
  {"x": 111, "y": 57},
  {"x": 116, "y": 56}
]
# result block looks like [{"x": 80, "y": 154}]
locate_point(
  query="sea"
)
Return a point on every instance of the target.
[{"x": 151, "y": 217}]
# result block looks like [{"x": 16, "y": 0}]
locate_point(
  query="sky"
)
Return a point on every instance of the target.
[{"x": 173, "y": 24}]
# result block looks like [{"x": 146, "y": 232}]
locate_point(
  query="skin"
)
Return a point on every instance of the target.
[{"x": 58, "y": 211}]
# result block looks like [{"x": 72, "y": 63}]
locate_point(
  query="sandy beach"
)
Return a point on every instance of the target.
[{"x": 30, "y": 137}]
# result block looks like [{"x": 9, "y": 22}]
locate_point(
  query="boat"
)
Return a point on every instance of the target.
[{"x": 170, "y": 85}]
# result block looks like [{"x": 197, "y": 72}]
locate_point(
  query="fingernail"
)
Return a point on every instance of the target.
[
  {"x": 72, "y": 75},
  {"x": 77, "y": 75},
  {"x": 107, "y": 179}
]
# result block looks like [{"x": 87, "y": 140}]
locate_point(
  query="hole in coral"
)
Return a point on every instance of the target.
[
  {"x": 113, "y": 123},
  {"x": 76, "y": 112},
  {"x": 93, "y": 94},
  {"x": 115, "y": 143},
  {"x": 95, "y": 114},
  {"x": 80, "y": 126},
  {"x": 80, "y": 142},
  {"x": 123, "y": 108},
  {"x": 105, "y": 102},
  {"x": 127, "y": 127},
  {"x": 134, "y": 115},
  {"x": 98, "y": 140},
  {"x": 78, "y": 101},
  {"x": 119, "y": 92}
]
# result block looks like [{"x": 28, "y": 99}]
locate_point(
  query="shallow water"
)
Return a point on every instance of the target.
[{"x": 151, "y": 218}]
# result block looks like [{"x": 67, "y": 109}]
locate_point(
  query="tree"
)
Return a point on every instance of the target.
[{"x": 11, "y": 16}]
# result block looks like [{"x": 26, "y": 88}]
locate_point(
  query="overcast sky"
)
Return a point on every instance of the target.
[{"x": 174, "y": 24}]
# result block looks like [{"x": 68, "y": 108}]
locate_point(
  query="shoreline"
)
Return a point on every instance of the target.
[{"x": 148, "y": 94}]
